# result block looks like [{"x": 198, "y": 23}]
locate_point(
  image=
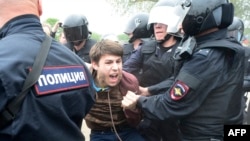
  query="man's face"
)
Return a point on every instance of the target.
[
  {"x": 79, "y": 44},
  {"x": 109, "y": 70},
  {"x": 62, "y": 39},
  {"x": 160, "y": 31}
]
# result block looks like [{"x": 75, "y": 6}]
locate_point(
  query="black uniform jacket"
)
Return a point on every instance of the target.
[
  {"x": 206, "y": 92},
  {"x": 84, "y": 51}
]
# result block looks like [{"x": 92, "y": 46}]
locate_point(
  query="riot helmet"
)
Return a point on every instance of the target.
[
  {"x": 75, "y": 28},
  {"x": 110, "y": 36},
  {"x": 137, "y": 25},
  {"x": 236, "y": 29},
  {"x": 203, "y": 16},
  {"x": 168, "y": 12}
]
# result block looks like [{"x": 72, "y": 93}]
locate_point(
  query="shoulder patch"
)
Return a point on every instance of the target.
[
  {"x": 204, "y": 52},
  {"x": 179, "y": 90},
  {"x": 61, "y": 78}
]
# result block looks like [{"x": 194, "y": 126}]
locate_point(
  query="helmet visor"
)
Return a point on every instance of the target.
[
  {"x": 130, "y": 27},
  {"x": 75, "y": 33},
  {"x": 170, "y": 16}
]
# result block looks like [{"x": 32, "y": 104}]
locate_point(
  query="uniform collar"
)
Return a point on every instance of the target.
[
  {"x": 219, "y": 34},
  {"x": 19, "y": 24}
]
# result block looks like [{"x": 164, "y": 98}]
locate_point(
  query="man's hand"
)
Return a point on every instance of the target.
[
  {"x": 56, "y": 26},
  {"x": 129, "y": 101},
  {"x": 144, "y": 91}
]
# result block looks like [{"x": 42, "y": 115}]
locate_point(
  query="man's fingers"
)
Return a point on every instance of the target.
[
  {"x": 126, "y": 102},
  {"x": 129, "y": 101}
]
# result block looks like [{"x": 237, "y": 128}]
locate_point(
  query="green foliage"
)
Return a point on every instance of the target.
[
  {"x": 241, "y": 10},
  {"x": 128, "y": 7},
  {"x": 123, "y": 37},
  {"x": 96, "y": 36},
  {"x": 51, "y": 21},
  {"x": 58, "y": 33}
]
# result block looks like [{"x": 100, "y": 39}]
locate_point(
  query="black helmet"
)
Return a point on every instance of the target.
[
  {"x": 168, "y": 12},
  {"x": 75, "y": 28},
  {"x": 236, "y": 29},
  {"x": 137, "y": 25},
  {"x": 204, "y": 15}
]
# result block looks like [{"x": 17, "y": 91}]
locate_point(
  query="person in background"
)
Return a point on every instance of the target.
[
  {"x": 51, "y": 31},
  {"x": 46, "y": 28},
  {"x": 153, "y": 64},
  {"x": 136, "y": 29},
  {"x": 236, "y": 31},
  {"x": 205, "y": 92},
  {"x": 77, "y": 34},
  {"x": 54, "y": 108},
  {"x": 54, "y": 29},
  {"x": 245, "y": 41},
  {"x": 107, "y": 119},
  {"x": 62, "y": 38}
]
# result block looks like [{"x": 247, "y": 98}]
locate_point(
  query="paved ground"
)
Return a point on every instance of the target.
[{"x": 85, "y": 131}]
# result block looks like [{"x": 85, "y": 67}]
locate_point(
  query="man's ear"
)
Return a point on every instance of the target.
[
  {"x": 94, "y": 65},
  {"x": 40, "y": 7}
]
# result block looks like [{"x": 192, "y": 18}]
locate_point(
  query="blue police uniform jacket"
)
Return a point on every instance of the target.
[
  {"x": 55, "y": 106},
  {"x": 206, "y": 93}
]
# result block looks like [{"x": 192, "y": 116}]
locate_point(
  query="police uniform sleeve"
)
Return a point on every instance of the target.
[
  {"x": 196, "y": 79},
  {"x": 160, "y": 87}
]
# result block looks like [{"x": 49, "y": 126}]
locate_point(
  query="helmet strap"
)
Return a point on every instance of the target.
[{"x": 165, "y": 39}]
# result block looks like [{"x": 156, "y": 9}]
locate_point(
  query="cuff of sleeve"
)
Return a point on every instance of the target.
[
  {"x": 151, "y": 90},
  {"x": 141, "y": 100}
]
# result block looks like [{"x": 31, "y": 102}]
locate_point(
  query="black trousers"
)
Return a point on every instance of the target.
[{"x": 155, "y": 130}]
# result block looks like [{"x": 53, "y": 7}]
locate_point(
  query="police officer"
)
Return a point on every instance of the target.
[
  {"x": 204, "y": 94},
  {"x": 155, "y": 63},
  {"x": 154, "y": 57},
  {"x": 236, "y": 30},
  {"x": 53, "y": 109},
  {"x": 77, "y": 34},
  {"x": 136, "y": 29}
]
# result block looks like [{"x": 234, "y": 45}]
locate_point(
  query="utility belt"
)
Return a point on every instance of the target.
[{"x": 118, "y": 128}]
